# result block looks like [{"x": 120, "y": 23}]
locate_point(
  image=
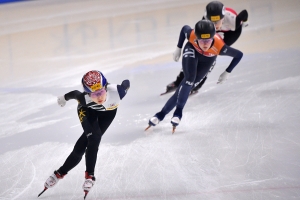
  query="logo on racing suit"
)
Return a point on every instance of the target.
[
  {"x": 112, "y": 106},
  {"x": 189, "y": 83},
  {"x": 189, "y": 52},
  {"x": 89, "y": 134},
  {"x": 81, "y": 115}
]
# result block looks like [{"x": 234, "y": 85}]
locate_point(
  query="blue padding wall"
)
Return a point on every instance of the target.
[{"x": 8, "y": 1}]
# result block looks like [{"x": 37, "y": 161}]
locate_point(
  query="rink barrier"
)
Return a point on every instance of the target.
[{"x": 9, "y": 1}]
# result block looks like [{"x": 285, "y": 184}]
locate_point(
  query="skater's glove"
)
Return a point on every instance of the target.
[
  {"x": 221, "y": 34},
  {"x": 223, "y": 77},
  {"x": 245, "y": 24},
  {"x": 126, "y": 85},
  {"x": 61, "y": 101},
  {"x": 177, "y": 54}
]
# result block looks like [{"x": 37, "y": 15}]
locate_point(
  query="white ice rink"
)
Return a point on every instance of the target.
[{"x": 236, "y": 141}]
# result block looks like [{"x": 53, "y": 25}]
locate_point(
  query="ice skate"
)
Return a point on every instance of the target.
[
  {"x": 52, "y": 181},
  {"x": 193, "y": 92},
  {"x": 88, "y": 183},
  {"x": 170, "y": 88},
  {"x": 175, "y": 122},
  {"x": 153, "y": 122},
  {"x": 195, "y": 89}
]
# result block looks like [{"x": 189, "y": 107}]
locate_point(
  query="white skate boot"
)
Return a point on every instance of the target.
[
  {"x": 152, "y": 122},
  {"x": 88, "y": 183},
  {"x": 175, "y": 122},
  {"x": 53, "y": 179}
]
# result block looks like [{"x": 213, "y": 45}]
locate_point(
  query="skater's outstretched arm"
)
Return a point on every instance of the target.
[
  {"x": 232, "y": 52},
  {"x": 77, "y": 95},
  {"x": 184, "y": 34},
  {"x": 237, "y": 56},
  {"x": 241, "y": 17}
]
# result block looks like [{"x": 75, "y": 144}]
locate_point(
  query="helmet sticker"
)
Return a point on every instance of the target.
[
  {"x": 96, "y": 86},
  {"x": 205, "y": 36},
  {"x": 92, "y": 80},
  {"x": 215, "y": 18}
]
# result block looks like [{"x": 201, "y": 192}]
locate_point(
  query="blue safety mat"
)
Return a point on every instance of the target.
[{"x": 9, "y": 1}]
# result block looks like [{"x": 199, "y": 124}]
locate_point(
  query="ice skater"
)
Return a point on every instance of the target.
[
  {"x": 97, "y": 107},
  {"x": 229, "y": 26},
  {"x": 199, "y": 54}
]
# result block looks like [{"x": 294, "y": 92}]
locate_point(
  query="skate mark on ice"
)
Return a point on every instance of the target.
[{"x": 28, "y": 186}]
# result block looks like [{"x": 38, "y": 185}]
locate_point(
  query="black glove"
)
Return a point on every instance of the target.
[{"x": 126, "y": 84}]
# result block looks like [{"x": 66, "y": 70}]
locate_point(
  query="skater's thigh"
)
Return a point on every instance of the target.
[
  {"x": 88, "y": 119},
  {"x": 105, "y": 118},
  {"x": 80, "y": 145},
  {"x": 203, "y": 67}
]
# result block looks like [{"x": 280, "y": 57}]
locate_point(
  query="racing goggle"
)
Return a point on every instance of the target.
[
  {"x": 205, "y": 41},
  {"x": 98, "y": 93}
]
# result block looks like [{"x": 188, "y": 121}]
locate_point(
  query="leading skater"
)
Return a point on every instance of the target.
[
  {"x": 97, "y": 107},
  {"x": 199, "y": 54},
  {"x": 229, "y": 26}
]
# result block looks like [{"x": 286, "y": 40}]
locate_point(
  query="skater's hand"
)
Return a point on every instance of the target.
[
  {"x": 223, "y": 77},
  {"x": 177, "y": 54},
  {"x": 61, "y": 101},
  {"x": 245, "y": 24},
  {"x": 221, "y": 34}
]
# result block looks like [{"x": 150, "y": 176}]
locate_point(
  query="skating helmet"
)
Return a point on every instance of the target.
[
  {"x": 215, "y": 11},
  {"x": 205, "y": 29},
  {"x": 93, "y": 81}
]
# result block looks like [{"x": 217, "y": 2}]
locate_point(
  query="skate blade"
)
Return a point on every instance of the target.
[
  {"x": 147, "y": 127},
  {"x": 86, "y": 192},
  {"x": 193, "y": 93},
  {"x": 42, "y": 191},
  {"x": 164, "y": 93},
  {"x": 173, "y": 130},
  {"x": 167, "y": 92}
]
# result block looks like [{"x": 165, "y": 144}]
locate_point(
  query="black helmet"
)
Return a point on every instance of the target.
[
  {"x": 215, "y": 11},
  {"x": 205, "y": 29}
]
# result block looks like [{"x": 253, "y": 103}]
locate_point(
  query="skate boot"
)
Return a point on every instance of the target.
[
  {"x": 52, "y": 181},
  {"x": 175, "y": 122},
  {"x": 174, "y": 85},
  {"x": 153, "y": 121},
  {"x": 88, "y": 183},
  {"x": 194, "y": 91},
  {"x": 197, "y": 87},
  {"x": 171, "y": 87}
]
